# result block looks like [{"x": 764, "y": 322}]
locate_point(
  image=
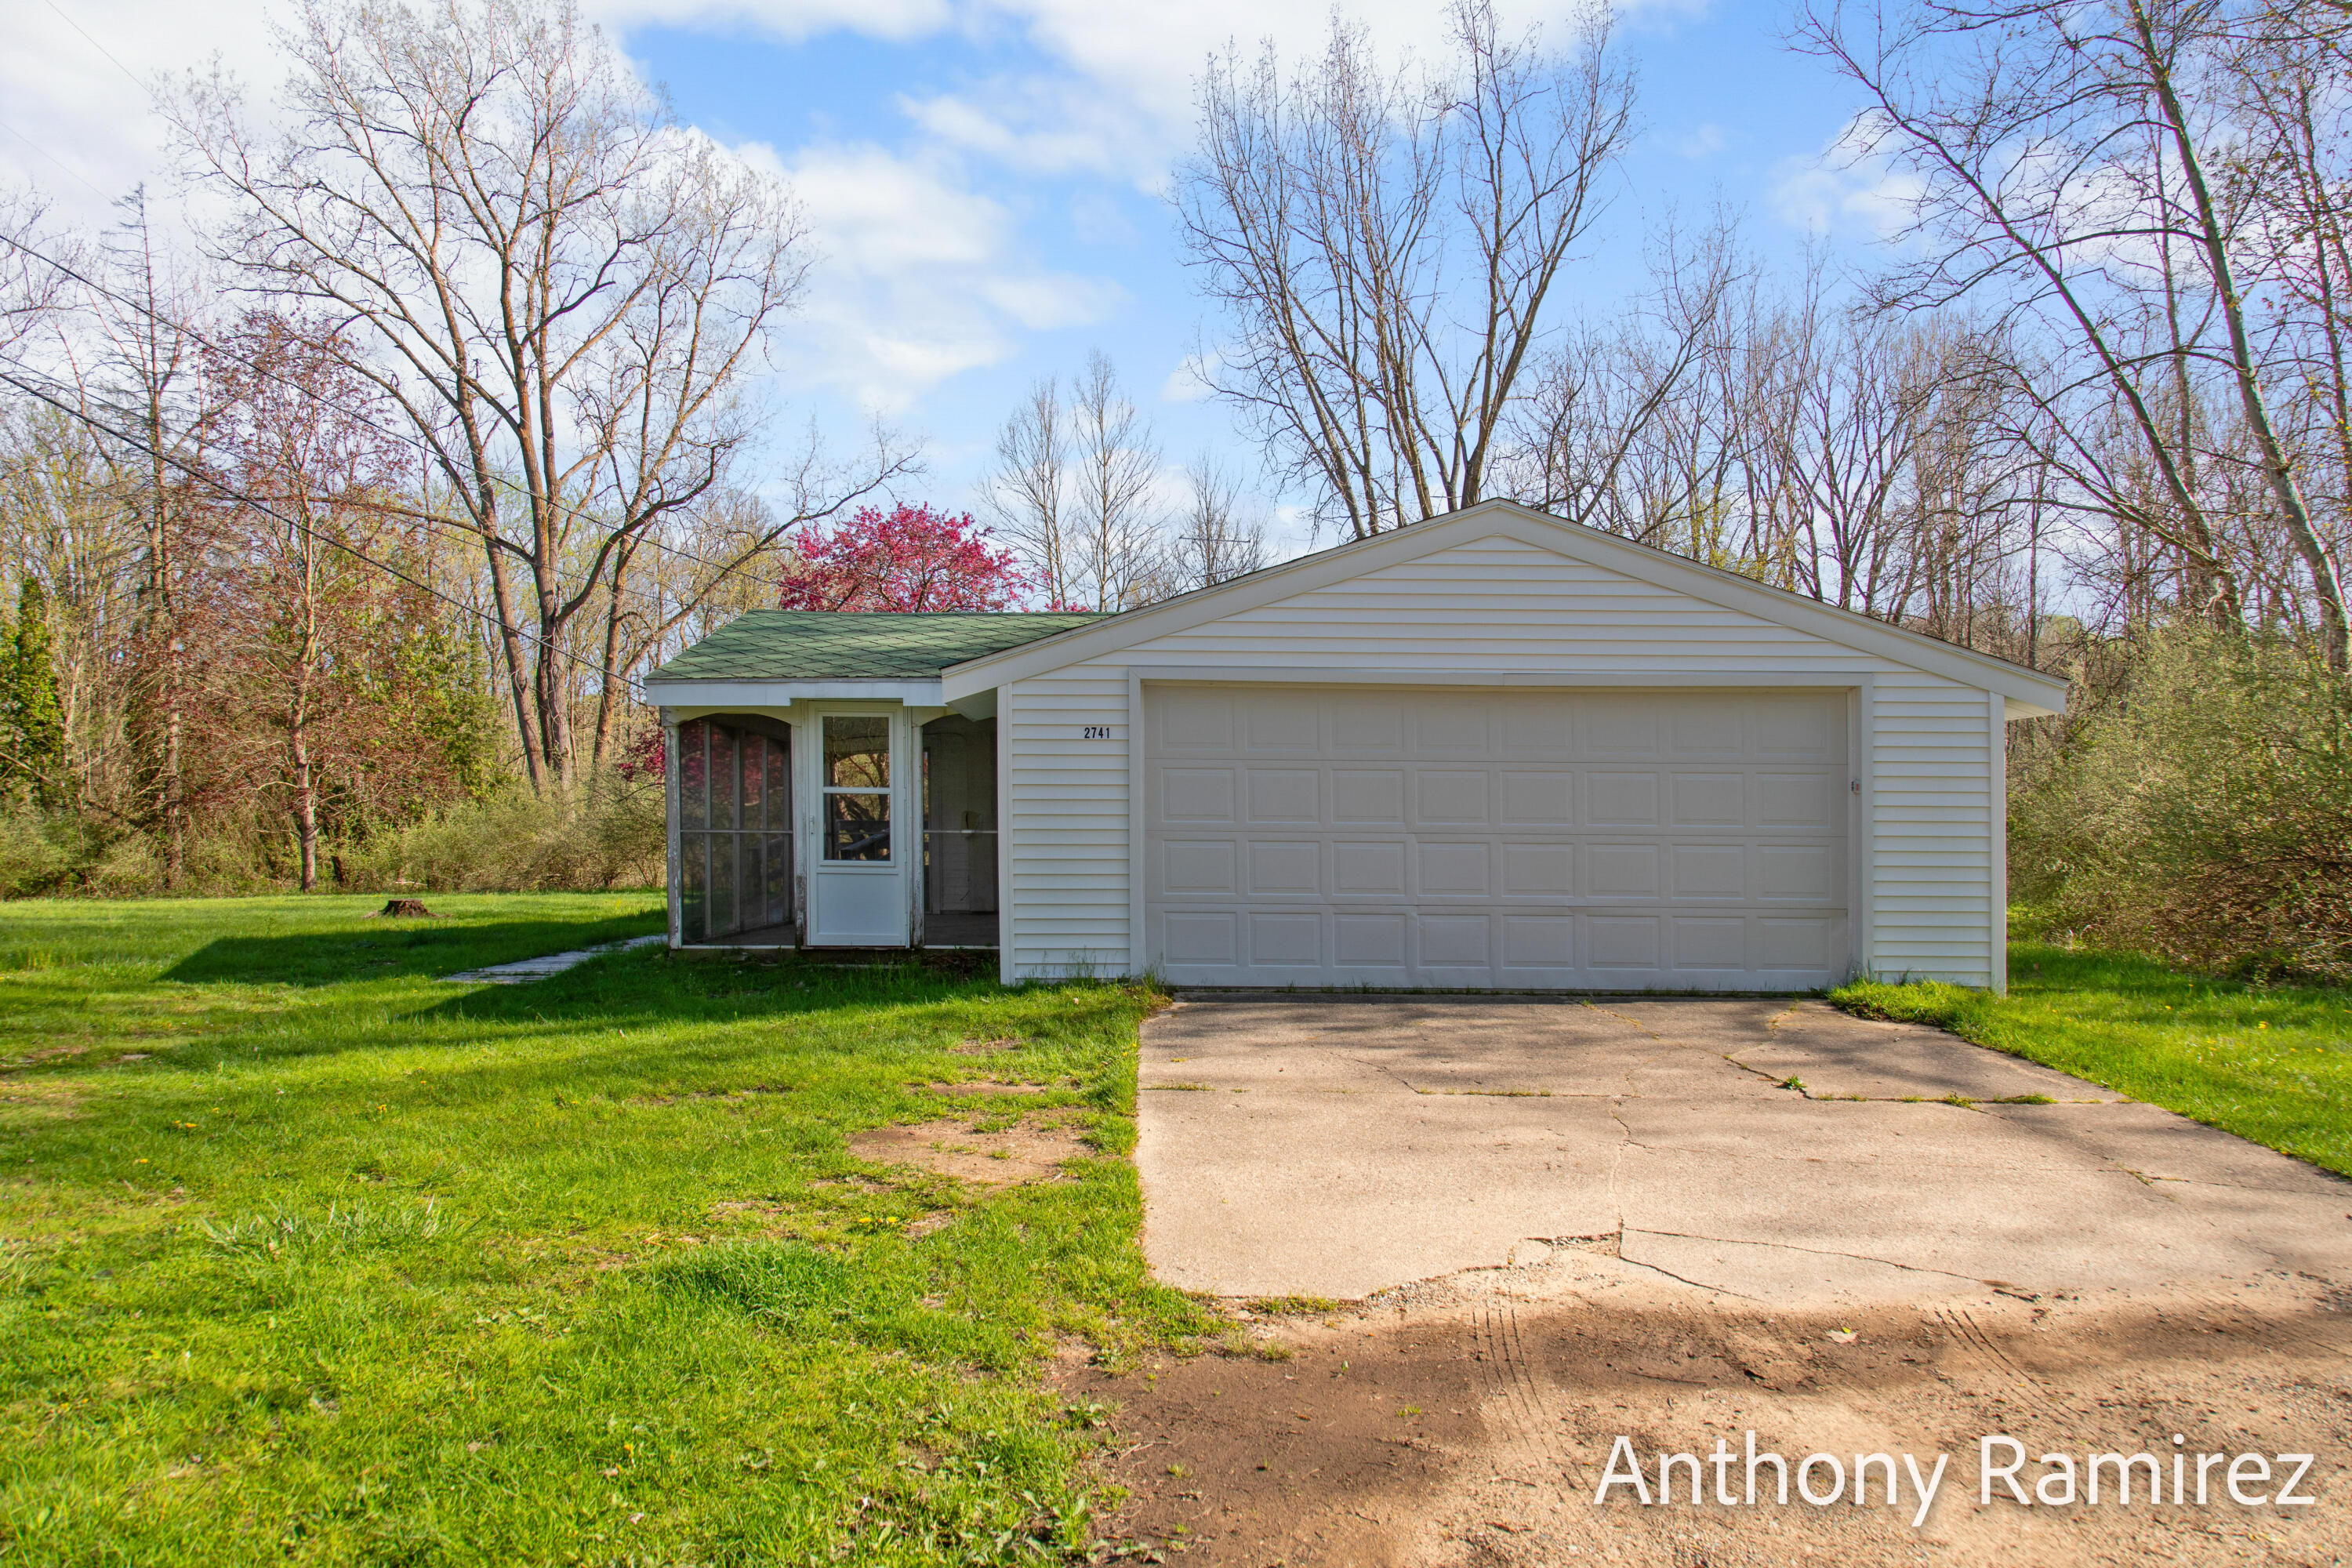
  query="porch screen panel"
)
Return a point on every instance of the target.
[
  {"x": 734, "y": 870},
  {"x": 693, "y": 766},
  {"x": 960, "y": 832},
  {"x": 777, "y": 906}
]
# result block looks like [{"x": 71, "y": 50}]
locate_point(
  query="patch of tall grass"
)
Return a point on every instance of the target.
[
  {"x": 604, "y": 833},
  {"x": 2204, "y": 814}
]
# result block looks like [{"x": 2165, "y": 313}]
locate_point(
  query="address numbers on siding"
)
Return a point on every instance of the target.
[{"x": 1094, "y": 732}]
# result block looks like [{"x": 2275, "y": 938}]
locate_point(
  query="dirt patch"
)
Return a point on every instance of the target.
[
  {"x": 1468, "y": 1423},
  {"x": 37, "y": 1101},
  {"x": 973, "y": 1046},
  {"x": 989, "y": 1087},
  {"x": 1030, "y": 1150},
  {"x": 751, "y": 1092}
]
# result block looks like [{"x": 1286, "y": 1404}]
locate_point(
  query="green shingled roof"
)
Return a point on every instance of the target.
[{"x": 839, "y": 645}]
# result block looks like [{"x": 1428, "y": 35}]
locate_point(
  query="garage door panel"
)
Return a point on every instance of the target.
[
  {"x": 1806, "y": 873},
  {"x": 1801, "y": 946},
  {"x": 1613, "y": 799},
  {"x": 1794, "y": 800},
  {"x": 1710, "y": 943},
  {"x": 1369, "y": 867},
  {"x": 1198, "y": 795},
  {"x": 1539, "y": 870},
  {"x": 1536, "y": 725},
  {"x": 1200, "y": 866},
  {"x": 1705, "y": 727},
  {"x": 1464, "y": 838},
  {"x": 1192, "y": 721},
  {"x": 1539, "y": 799},
  {"x": 1285, "y": 869},
  {"x": 1370, "y": 940},
  {"x": 1200, "y": 938},
  {"x": 1278, "y": 722},
  {"x": 1367, "y": 723},
  {"x": 1454, "y": 729},
  {"x": 1615, "y": 726},
  {"x": 1715, "y": 873},
  {"x": 1706, "y": 800},
  {"x": 1368, "y": 795},
  {"x": 1622, "y": 871},
  {"x": 1453, "y": 870},
  {"x": 1285, "y": 940},
  {"x": 1801, "y": 726},
  {"x": 1284, "y": 794},
  {"x": 1546, "y": 941},
  {"x": 1621, "y": 943},
  {"x": 1456, "y": 942},
  {"x": 1445, "y": 797}
]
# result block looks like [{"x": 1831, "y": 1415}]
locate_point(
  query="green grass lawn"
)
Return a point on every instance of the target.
[
  {"x": 306, "y": 1255},
  {"x": 2271, "y": 1063}
]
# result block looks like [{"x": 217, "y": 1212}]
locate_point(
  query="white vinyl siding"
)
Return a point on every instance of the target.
[
  {"x": 1065, "y": 816},
  {"x": 1932, "y": 873},
  {"x": 1502, "y": 605}
]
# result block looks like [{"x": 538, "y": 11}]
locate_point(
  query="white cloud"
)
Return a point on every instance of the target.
[
  {"x": 1701, "y": 141},
  {"x": 1842, "y": 189},
  {"x": 1118, "y": 93},
  {"x": 1043, "y": 302},
  {"x": 76, "y": 82},
  {"x": 1193, "y": 380},
  {"x": 922, "y": 278},
  {"x": 793, "y": 20}
]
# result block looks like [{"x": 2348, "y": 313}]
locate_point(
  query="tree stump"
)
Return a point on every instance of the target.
[{"x": 411, "y": 906}]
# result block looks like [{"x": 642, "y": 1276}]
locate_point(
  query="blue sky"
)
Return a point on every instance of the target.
[{"x": 986, "y": 178}]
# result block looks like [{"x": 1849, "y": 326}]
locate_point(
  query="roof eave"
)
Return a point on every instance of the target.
[{"x": 717, "y": 695}]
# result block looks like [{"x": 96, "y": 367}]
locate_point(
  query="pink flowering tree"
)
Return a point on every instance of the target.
[{"x": 909, "y": 559}]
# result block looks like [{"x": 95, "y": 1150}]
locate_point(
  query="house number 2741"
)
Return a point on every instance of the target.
[{"x": 1094, "y": 732}]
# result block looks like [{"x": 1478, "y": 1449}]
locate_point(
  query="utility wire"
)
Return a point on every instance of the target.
[
  {"x": 422, "y": 448},
  {"x": 245, "y": 497}
]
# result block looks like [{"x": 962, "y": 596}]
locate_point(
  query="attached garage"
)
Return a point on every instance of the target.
[
  {"x": 1480, "y": 837},
  {"x": 1489, "y": 751}
]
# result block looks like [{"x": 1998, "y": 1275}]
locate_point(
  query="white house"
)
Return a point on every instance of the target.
[{"x": 1489, "y": 751}]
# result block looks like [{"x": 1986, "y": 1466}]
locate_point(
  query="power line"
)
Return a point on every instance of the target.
[
  {"x": 422, "y": 448},
  {"x": 243, "y": 498}
]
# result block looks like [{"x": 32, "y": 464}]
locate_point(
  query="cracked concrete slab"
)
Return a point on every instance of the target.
[{"x": 1337, "y": 1146}]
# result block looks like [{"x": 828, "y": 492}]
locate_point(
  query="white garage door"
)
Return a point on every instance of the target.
[{"x": 1616, "y": 840}]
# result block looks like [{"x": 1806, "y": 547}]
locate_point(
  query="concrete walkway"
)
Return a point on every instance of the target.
[
  {"x": 525, "y": 968},
  {"x": 1767, "y": 1150}
]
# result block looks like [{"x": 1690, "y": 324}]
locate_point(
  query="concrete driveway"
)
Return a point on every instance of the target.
[{"x": 1778, "y": 1152}]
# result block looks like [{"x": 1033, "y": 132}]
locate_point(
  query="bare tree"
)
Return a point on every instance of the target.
[
  {"x": 2068, "y": 156},
  {"x": 1114, "y": 463},
  {"x": 1030, "y": 493},
  {"x": 1216, "y": 538},
  {"x": 30, "y": 283},
  {"x": 136, "y": 373},
  {"x": 1595, "y": 399},
  {"x": 559, "y": 288},
  {"x": 1385, "y": 248}
]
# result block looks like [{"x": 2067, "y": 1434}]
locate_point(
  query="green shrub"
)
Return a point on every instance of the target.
[
  {"x": 606, "y": 833},
  {"x": 36, "y": 855},
  {"x": 2205, "y": 815}
]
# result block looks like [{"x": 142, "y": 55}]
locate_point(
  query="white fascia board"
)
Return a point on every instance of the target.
[
  {"x": 713, "y": 696},
  {"x": 1301, "y": 675},
  {"x": 1709, "y": 584}
]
